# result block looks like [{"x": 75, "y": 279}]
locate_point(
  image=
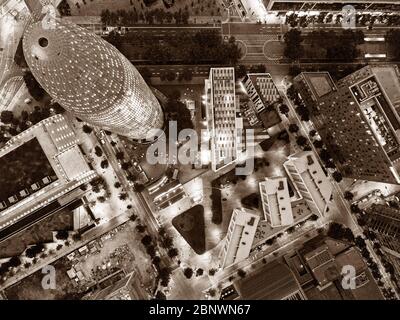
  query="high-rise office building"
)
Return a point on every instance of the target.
[
  {"x": 239, "y": 239},
  {"x": 310, "y": 180},
  {"x": 358, "y": 120},
  {"x": 90, "y": 78},
  {"x": 224, "y": 120},
  {"x": 385, "y": 222},
  {"x": 276, "y": 201}
]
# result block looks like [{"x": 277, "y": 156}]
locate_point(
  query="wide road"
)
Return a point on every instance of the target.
[
  {"x": 139, "y": 204},
  {"x": 261, "y": 43}
]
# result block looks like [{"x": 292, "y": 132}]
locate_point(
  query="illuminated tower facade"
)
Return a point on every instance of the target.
[{"x": 91, "y": 79}]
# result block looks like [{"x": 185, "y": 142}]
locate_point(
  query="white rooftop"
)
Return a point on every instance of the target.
[
  {"x": 312, "y": 176},
  {"x": 276, "y": 201}
]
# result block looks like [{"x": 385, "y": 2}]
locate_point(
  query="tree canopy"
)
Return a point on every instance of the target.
[{"x": 293, "y": 49}]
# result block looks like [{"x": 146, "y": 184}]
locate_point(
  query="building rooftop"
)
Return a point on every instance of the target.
[
  {"x": 276, "y": 201},
  {"x": 263, "y": 93},
  {"x": 320, "y": 83},
  {"x": 322, "y": 265},
  {"x": 59, "y": 146},
  {"x": 223, "y": 117},
  {"x": 273, "y": 281},
  {"x": 313, "y": 177},
  {"x": 326, "y": 258},
  {"x": 239, "y": 239},
  {"x": 72, "y": 163}
]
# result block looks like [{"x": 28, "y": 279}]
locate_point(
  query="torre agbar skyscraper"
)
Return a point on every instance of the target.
[{"x": 90, "y": 78}]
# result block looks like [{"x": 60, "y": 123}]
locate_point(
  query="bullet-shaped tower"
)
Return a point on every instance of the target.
[{"x": 90, "y": 78}]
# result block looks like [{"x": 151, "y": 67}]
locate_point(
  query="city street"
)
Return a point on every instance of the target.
[{"x": 138, "y": 211}]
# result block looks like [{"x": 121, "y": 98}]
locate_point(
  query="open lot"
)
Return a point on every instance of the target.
[
  {"x": 119, "y": 250},
  {"x": 30, "y": 288}
]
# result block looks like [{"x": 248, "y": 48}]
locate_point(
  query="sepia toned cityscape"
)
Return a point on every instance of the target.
[{"x": 200, "y": 150}]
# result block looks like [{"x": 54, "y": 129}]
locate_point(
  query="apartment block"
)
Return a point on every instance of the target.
[
  {"x": 276, "y": 201},
  {"x": 310, "y": 180},
  {"x": 239, "y": 239}
]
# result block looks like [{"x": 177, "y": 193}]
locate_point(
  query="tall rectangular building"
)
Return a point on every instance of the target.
[
  {"x": 357, "y": 119},
  {"x": 310, "y": 180},
  {"x": 263, "y": 93},
  {"x": 239, "y": 239},
  {"x": 385, "y": 222},
  {"x": 261, "y": 89},
  {"x": 276, "y": 202},
  {"x": 224, "y": 120}
]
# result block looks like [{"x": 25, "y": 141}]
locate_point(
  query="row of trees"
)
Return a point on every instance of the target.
[
  {"x": 241, "y": 70},
  {"x": 340, "y": 232},
  {"x": 132, "y": 17},
  {"x": 34, "y": 88},
  {"x": 393, "y": 39},
  {"x": 361, "y": 19},
  {"x": 13, "y": 125},
  {"x": 165, "y": 241},
  {"x": 323, "y": 45},
  {"x": 176, "y": 110},
  {"x": 64, "y": 8},
  {"x": 204, "y": 46},
  {"x": 333, "y": 46},
  {"x": 294, "y": 49}
]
